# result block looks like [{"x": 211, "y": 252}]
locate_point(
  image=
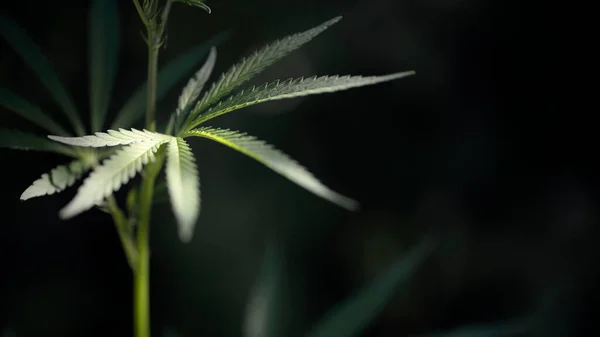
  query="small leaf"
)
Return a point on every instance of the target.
[
  {"x": 103, "y": 54},
  {"x": 354, "y": 314},
  {"x": 170, "y": 125},
  {"x": 26, "y": 141},
  {"x": 195, "y": 3},
  {"x": 275, "y": 160},
  {"x": 184, "y": 186},
  {"x": 29, "y": 111},
  {"x": 263, "y": 310},
  {"x": 111, "y": 138},
  {"x": 57, "y": 180},
  {"x": 167, "y": 77},
  {"x": 112, "y": 174},
  {"x": 501, "y": 329},
  {"x": 255, "y": 63},
  {"x": 30, "y": 52},
  {"x": 195, "y": 85},
  {"x": 293, "y": 88}
]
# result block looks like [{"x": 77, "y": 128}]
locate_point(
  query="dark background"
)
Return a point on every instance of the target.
[{"x": 488, "y": 147}]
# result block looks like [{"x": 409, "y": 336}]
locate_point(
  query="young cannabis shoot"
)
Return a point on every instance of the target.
[
  {"x": 138, "y": 148},
  {"x": 120, "y": 153}
]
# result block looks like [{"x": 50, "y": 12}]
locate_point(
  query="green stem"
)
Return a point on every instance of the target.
[
  {"x": 141, "y": 282},
  {"x": 141, "y": 279},
  {"x": 141, "y": 13},
  {"x": 142, "y": 273},
  {"x": 153, "y": 47}
]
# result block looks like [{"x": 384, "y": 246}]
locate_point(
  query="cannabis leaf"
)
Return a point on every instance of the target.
[
  {"x": 195, "y": 85},
  {"x": 30, "y": 52},
  {"x": 29, "y": 111},
  {"x": 103, "y": 57},
  {"x": 112, "y": 174},
  {"x": 184, "y": 186},
  {"x": 26, "y": 141},
  {"x": 110, "y": 138},
  {"x": 275, "y": 160},
  {"x": 350, "y": 317},
  {"x": 255, "y": 63},
  {"x": 195, "y": 3},
  {"x": 264, "y": 308},
  {"x": 57, "y": 180},
  {"x": 293, "y": 88}
]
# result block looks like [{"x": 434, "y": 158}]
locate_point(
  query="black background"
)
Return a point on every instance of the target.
[{"x": 489, "y": 147}]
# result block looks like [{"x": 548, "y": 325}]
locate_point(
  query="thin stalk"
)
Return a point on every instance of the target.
[
  {"x": 141, "y": 13},
  {"x": 142, "y": 273},
  {"x": 153, "y": 48},
  {"x": 141, "y": 279},
  {"x": 124, "y": 232}
]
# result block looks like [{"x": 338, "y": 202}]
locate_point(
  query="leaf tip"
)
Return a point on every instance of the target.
[
  {"x": 26, "y": 195},
  {"x": 350, "y": 205},
  {"x": 335, "y": 19},
  {"x": 67, "y": 212},
  {"x": 185, "y": 233}
]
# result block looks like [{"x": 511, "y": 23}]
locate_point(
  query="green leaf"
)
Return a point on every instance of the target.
[
  {"x": 501, "y": 329},
  {"x": 25, "y": 141},
  {"x": 30, "y": 52},
  {"x": 195, "y": 85},
  {"x": 111, "y": 138},
  {"x": 263, "y": 309},
  {"x": 353, "y": 315},
  {"x": 168, "y": 76},
  {"x": 255, "y": 63},
  {"x": 195, "y": 3},
  {"x": 103, "y": 54},
  {"x": 275, "y": 160},
  {"x": 57, "y": 180},
  {"x": 112, "y": 174},
  {"x": 293, "y": 88},
  {"x": 29, "y": 111},
  {"x": 184, "y": 186}
]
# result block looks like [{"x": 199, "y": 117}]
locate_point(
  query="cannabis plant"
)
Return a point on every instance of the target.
[{"x": 115, "y": 156}]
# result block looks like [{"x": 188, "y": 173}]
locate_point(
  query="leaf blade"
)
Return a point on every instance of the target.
[
  {"x": 57, "y": 180},
  {"x": 255, "y": 63},
  {"x": 195, "y": 85},
  {"x": 110, "y": 138},
  {"x": 293, "y": 88},
  {"x": 263, "y": 308},
  {"x": 499, "y": 329},
  {"x": 196, "y": 3},
  {"x": 30, "y": 111},
  {"x": 168, "y": 76},
  {"x": 111, "y": 175},
  {"x": 275, "y": 160},
  {"x": 18, "y": 140},
  {"x": 183, "y": 185},
  {"x": 350, "y": 317},
  {"x": 33, "y": 57},
  {"x": 103, "y": 53}
]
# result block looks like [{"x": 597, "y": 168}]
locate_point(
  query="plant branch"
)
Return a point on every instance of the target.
[
  {"x": 122, "y": 226},
  {"x": 153, "y": 48},
  {"x": 165, "y": 16},
  {"x": 141, "y": 13}
]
